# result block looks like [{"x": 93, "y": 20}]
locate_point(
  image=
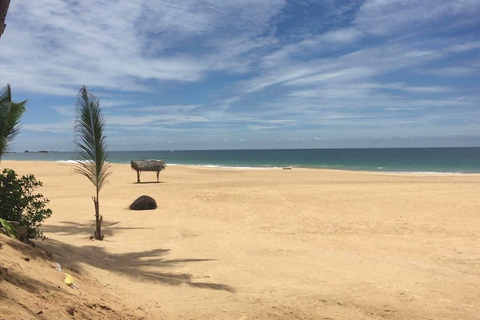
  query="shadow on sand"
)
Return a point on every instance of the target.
[
  {"x": 141, "y": 266},
  {"x": 149, "y": 182},
  {"x": 87, "y": 229}
]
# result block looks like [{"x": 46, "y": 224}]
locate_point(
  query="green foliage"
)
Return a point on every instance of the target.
[
  {"x": 10, "y": 114},
  {"x": 11, "y": 232},
  {"x": 18, "y": 202},
  {"x": 91, "y": 153}
]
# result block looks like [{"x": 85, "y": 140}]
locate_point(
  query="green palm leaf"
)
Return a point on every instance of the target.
[
  {"x": 10, "y": 114},
  {"x": 91, "y": 155}
]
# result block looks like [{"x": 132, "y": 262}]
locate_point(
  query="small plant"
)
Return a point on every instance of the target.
[
  {"x": 9, "y": 229},
  {"x": 91, "y": 153},
  {"x": 19, "y": 203}
]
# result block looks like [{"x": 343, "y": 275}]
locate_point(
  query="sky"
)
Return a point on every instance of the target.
[{"x": 247, "y": 74}]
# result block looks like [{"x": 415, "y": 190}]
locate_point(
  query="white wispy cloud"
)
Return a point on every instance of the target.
[
  {"x": 67, "y": 111},
  {"x": 54, "y": 46},
  {"x": 382, "y": 17},
  {"x": 248, "y": 69},
  {"x": 57, "y": 127},
  {"x": 358, "y": 65}
]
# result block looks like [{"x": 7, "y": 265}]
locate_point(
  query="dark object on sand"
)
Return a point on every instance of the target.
[
  {"x": 144, "y": 203},
  {"x": 148, "y": 165}
]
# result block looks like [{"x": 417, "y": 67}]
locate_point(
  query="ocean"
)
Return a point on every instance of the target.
[{"x": 428, "y": 160}]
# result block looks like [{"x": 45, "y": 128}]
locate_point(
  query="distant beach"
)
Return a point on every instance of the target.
[{"x": 426, "y": 160}]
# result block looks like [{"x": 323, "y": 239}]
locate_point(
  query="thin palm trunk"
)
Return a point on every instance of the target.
[{"x": 98, "y": 218}]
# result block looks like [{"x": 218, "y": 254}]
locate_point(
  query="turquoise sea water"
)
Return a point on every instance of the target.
[{"x": 457, "y": 160}]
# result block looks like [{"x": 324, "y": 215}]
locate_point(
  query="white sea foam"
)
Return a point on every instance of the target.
[
  {"x": 224, "y": 167},
  {"x": 427, "y": 173},
  {"x": 73, "y": 161},
  {"x": 382, "y": 170}
]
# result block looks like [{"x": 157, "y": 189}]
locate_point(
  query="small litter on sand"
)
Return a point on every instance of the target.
[
  {"x": 57, "y": 266},
  {"x": 70, "y": 282}
]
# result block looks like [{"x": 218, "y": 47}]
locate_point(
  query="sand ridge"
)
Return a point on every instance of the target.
[{"x": 273, "y": 244}]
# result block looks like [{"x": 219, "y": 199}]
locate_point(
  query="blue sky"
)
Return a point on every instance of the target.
[{"x": 247, "y": 73}]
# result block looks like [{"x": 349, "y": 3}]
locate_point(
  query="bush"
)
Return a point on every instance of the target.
[
  {"x": 18, "y": 202},
  {"x": 144, "y": 203}
]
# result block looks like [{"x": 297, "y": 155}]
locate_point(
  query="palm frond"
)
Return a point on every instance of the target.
[
  {"x": 10, "y": 114},
  {"x": 91, "y": 153}
]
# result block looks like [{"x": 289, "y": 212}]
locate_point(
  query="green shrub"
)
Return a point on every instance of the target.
[{"x": 18, "y": 202}]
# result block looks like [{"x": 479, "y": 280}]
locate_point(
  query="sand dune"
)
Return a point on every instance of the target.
[
  {"x": 272, "y": 244},
  {"x": 32, "y": 287}
]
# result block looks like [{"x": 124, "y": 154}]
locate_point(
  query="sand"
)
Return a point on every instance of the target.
[
  {"x": 32, "y": 287},
  {"x": 271, "y": 243}
]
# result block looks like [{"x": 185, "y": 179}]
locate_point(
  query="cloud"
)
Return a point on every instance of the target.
[
  {"x": 380, "y": 17},
  {"x": 153, "y": 120},
  {"x": 247, "y": 69},
  {"x": 67, "y": 111},
  {"x": 58, "y": 127},
  {"x": 452, "y": 71},
  {"x": 165, "y": 108},
  {"x": 126, "y": 45}
]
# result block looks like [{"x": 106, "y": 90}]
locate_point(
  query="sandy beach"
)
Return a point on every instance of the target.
[{"x": 272, "y": 243}]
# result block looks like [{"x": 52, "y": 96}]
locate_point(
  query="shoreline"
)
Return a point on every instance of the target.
[
  {"x": 391, "y": 160},
  {"x": 259, "y": 168}
]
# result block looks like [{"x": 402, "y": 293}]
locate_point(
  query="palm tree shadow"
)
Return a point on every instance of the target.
[
  {"x": 87, "y": 229},
  {"x": 147, "y": 266}
]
